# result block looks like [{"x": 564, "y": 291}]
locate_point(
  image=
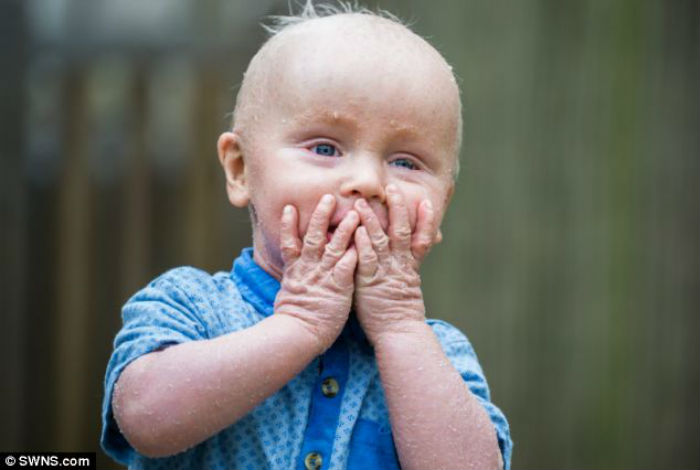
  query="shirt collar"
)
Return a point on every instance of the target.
[{"x": 259, "y": 288}]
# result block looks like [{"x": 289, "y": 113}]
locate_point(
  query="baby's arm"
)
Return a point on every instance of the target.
[
  {"x": 435, "y": 420},
  {"x": 170, "y": 400}
]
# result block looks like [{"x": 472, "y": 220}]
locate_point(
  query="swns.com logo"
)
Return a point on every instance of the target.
[{"x": 83, "y": 460}]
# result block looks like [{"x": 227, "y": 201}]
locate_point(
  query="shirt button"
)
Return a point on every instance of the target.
[
  {"x": 330, "y": 387},
  {"x": 313, "y": 461}
]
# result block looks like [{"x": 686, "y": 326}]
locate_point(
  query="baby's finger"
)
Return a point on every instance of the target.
[
  {"x": 344, "y": 271},
  {"x": 315, "y": 238},
  {"x": 399, "y": 224},
  {"x": 376, "y": 234},
  {"x": 425, "y": 230},
  {"x": 339, "y": 242},
  {"x": 290, "y": 245},
  {"x": 367, "y": 258}
]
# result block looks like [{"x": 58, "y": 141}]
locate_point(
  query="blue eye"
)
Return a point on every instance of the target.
[
  {"x": 405, "y": 163},
  {"x": 326, "y": 150}
]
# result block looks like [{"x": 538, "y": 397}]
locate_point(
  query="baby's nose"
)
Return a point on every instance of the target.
[{"x": 365, "y": 180}]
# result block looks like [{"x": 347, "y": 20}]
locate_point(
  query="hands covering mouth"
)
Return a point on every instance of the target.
[{"x": 353, "y": 258}]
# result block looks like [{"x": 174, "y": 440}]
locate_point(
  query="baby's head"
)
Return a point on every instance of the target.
[{"x": 343, "y": 103}]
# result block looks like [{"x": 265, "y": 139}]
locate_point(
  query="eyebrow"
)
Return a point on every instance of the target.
[
  {"x": 333, "y": 117},
  {"x": 347, "y": 121}
]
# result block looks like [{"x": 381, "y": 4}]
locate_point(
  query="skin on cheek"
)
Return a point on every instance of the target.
[
  {"x": 266, "y": 233},
  {"x": 281, "y": 186},
  {"x": 269, "y": 211},
  {"x": 414, "y": 204}
]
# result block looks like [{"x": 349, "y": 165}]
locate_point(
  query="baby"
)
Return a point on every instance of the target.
[{"x": 314, "y": 351}]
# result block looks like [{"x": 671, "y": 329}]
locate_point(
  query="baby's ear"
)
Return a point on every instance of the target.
[{"x": 231, "y": 159}]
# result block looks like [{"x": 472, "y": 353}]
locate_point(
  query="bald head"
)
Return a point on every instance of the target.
[{"x": 371, "y": 57}]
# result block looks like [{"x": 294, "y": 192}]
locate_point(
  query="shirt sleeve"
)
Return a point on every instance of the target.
[
  {"x": 157, "y": 316},
  {"x": 462, "y": 356}
]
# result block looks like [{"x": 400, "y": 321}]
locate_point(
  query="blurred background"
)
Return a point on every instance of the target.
[{"x": 571, "y": 253}]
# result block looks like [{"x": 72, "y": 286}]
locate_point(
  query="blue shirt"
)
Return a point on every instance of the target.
[{"x": 333, "y": 413}]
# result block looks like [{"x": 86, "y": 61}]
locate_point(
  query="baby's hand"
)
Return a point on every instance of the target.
[
  {"x": 388, "y": 295},
  {"x": 317, "y": 282}
]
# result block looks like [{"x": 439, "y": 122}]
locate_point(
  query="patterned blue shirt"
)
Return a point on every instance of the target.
[{"x": 332, "y": 415}]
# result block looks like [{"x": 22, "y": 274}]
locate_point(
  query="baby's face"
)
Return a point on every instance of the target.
[{"x": 348, "y": 124}]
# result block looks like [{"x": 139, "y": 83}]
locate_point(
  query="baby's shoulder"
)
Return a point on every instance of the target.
[
  {"x": 449, "y": 334},
  {"x": 195, "y": 282},
  {"x": 213, "y": 299}
]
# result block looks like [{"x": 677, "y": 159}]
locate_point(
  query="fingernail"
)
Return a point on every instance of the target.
[
  {"x": 287, "y": 210},
  {"x": 428, "y": 205},
  {"x": 362, "y": 204},
  {"x": 326, "y": 199}
]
